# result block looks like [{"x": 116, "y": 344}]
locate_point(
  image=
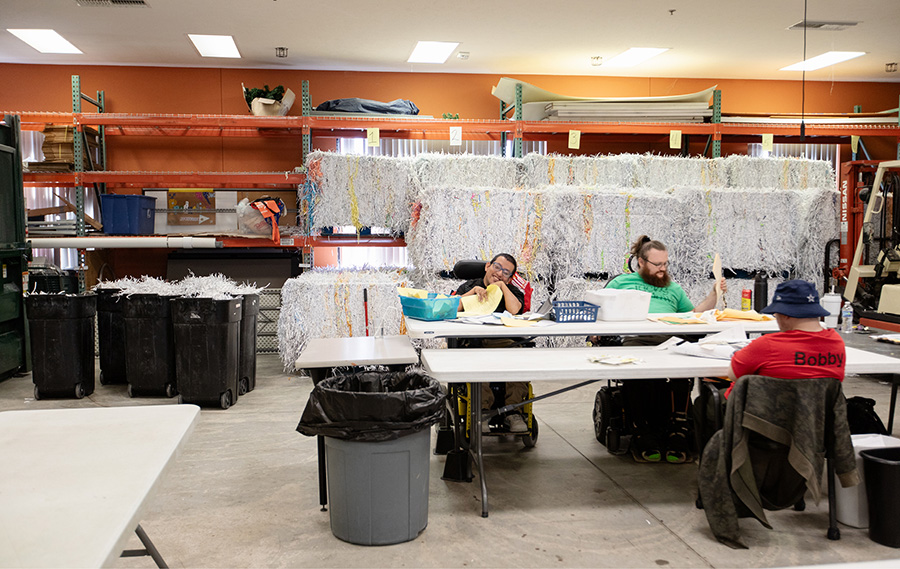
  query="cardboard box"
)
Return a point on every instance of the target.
[{"x": 270, "y": 107}]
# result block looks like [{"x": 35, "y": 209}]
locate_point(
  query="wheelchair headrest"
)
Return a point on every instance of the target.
[{"x": 469, "y": 269}]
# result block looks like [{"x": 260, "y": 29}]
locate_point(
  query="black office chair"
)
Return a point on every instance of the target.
[{"x": 775, "y": 434}]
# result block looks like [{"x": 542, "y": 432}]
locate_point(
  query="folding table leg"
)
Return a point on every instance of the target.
[
  {"x": 323, "y": 481},
  {"x": 475, "y": 414},
  {"x": 149, "y": 549},
  {"x": 890, "y": 425}
]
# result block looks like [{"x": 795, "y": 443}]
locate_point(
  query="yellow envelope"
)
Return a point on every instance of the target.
[
  {"x": 412, "y": 292},
  {"x": 474, "y": 307},
  {"x": 417, "y": 293},
  {"x": 516, "y": 323},
  {"x": 732, "y": 314}
]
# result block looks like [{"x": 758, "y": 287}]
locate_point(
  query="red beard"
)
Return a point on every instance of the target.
[{"x": 653, "y": 280}]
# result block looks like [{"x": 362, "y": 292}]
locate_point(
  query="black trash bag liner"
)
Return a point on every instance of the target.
[
  {"x": 357, "y": 105},
  {"x": 373, "y": 406}
]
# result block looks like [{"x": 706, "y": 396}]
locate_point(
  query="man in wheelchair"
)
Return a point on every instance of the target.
[
  {"x": 500, "y": 271},
  {"x": 656, "y": 410}
]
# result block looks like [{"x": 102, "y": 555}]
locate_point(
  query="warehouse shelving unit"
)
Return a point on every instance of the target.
[{"x": 308, "y": 126}]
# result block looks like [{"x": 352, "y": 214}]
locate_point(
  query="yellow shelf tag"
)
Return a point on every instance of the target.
[
  {"x": 455, "y": 136},
  {"x": 768, "y": 142},
  {"x": 372, "y": 137},
  {"x": 674, "y": 139},
  {"x": 854, "y": 143},
  {"x": 575, "y": 139}
]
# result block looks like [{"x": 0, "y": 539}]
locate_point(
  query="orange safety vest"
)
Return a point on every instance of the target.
[{"x": 269, "y": 210}]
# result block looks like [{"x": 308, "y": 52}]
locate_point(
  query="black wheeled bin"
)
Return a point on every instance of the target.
[
  {"x": 881, "y": 468},
  {"x": 249, "y": 315},
  {"x": 111, "y": 336},
  {"x": 207, "y": 342},
  {"x": 62, "y": 343},
  {"x": 149, "y": 345}
]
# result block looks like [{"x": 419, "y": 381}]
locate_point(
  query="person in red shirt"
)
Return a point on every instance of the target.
[{"x": 801, "y": 349}]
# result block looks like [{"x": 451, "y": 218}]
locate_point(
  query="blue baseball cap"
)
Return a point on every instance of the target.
[{"x": 797, "y": 299}]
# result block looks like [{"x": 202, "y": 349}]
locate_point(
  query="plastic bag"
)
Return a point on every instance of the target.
[
  {"x": 372, "y": 406},
  {"x": 862, "y": 418},
  {"x": 250, "y": 221}
]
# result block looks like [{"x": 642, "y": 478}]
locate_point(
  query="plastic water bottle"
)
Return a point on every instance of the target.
[{"x": 847, "y": 318}]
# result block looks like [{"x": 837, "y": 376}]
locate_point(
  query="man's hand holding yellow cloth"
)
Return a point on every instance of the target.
[{"x": 484, "y": 301}]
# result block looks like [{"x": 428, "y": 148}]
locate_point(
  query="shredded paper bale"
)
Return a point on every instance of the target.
[
  {"x": 562, "y": 217},
  {"x": 362, "y": 191},
  {"x": 326, "y": 303}
]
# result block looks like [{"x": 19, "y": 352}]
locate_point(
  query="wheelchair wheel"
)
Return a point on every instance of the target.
[
  {"x": 530, "y": 439},
  {"x": 602, "y": 410}
]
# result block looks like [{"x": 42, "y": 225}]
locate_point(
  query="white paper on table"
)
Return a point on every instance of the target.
[
  {"x": 613, "y": 360},
  {"x": 708, "y": 316},
  {"x": 492, "y": 319},
  {"x": 714, "y": 351},
  {"x": 733, "y": 335},
  {"x": 672, "y": 341}
]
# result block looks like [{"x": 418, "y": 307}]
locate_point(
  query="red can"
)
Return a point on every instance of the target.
[{"x": 746, "y": 299}]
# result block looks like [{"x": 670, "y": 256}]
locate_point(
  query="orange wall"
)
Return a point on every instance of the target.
[
  {"x": 215, "y": 91},
  {"x": 218, "y": 91}
]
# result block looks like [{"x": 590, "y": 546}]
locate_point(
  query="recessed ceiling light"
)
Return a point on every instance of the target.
[
  {"x": 822, "y": 25},
  {"x": 432, "y": 51},
  {"x": 824, "y": 60},
  {"x": 634, "y": 56},
  {"x": 215, "y": 46},
  {"x": 45, "y": 41}
]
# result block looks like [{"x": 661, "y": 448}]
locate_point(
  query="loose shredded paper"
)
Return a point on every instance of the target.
[
  {"x": 562, "y": 217},
  {"x": 215, "y": 286}
]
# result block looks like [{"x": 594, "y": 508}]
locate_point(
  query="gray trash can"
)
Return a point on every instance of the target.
[
  {"x": 377, "y": 451},
  {"x": 882, "y": 473},
  {"x": 378, "y": 491}
]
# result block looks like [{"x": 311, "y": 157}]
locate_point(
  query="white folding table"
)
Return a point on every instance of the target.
[
  {"x": 454, "y": 329},
  {"x": 74, "y": 483},
  {"x": 556, "y": 364}
]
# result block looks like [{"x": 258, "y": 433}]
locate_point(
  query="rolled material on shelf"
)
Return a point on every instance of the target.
[{"x": 125, "y": 243}]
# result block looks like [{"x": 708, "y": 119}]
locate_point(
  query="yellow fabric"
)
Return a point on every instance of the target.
[{"x": 472, "y": 306}]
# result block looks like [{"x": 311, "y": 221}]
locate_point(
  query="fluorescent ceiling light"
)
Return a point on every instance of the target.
[
  {"x": 824, "y": 60},
  {"x": 45, "y": 41},
  {"x": 634, "y": 56},
  {"x": 215, "y": 46},
  {"x": 432, "y": 51}
]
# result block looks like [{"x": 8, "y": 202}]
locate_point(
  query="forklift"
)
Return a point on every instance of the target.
[{"x": 872, "y": 279}]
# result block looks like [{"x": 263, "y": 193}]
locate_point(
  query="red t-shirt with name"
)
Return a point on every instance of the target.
[{"x": 794, "y": 354}]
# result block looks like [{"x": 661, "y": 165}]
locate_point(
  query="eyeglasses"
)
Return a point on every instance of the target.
[
  {"x": 499, "y": 268},
  {"x": 664, "y": 265}
]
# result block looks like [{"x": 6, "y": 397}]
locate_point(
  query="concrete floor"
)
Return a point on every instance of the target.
[{"x": 243, "y": 493}]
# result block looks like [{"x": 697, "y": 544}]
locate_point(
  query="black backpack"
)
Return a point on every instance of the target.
[{"x": 862, "y": 417}]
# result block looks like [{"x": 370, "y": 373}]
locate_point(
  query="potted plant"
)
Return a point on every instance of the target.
[{"x": 268, "y": 102}]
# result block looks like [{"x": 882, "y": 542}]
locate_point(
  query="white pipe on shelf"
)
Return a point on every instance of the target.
[{"x": 125, "y": 242}]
